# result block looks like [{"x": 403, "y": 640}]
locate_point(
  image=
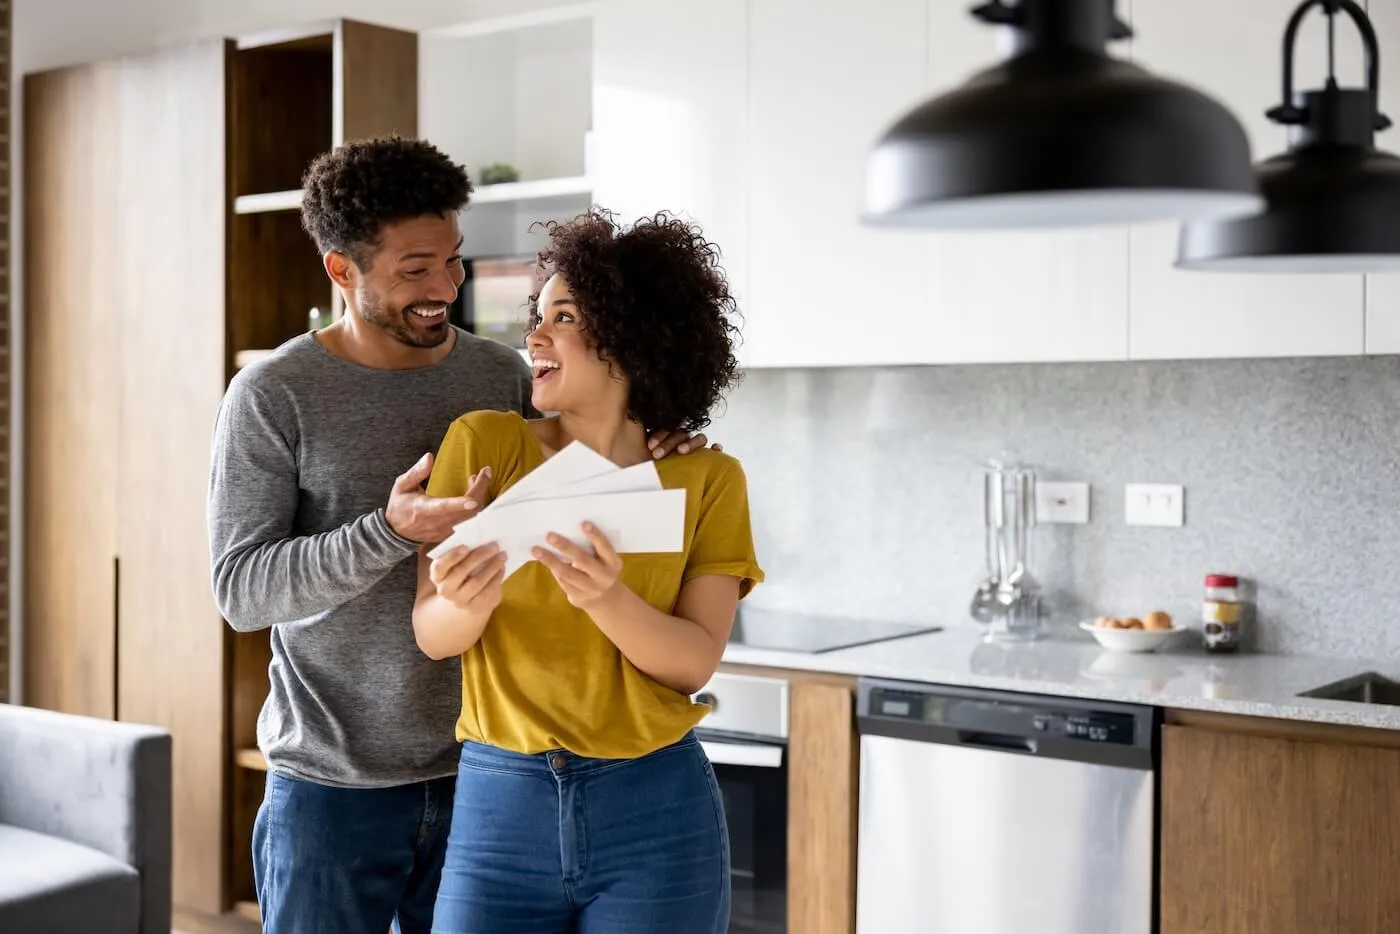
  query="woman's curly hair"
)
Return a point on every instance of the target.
[
  {"x": 353, "y": 191},
  {"x": 656, "y": 304}
]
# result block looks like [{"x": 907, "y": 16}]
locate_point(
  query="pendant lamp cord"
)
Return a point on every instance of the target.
[
  {"x": 1288, "y": 112},
  {"x": 1331, "y": 45}
]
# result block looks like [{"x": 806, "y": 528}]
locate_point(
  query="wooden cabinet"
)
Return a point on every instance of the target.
[
  {"x": 670, "y": 91},
  {"x": 124, "y": 346},
  {"x": 162, "y": 243},
  {"x": 171, "y": 651},
  {"x": 823, "y": 770},
  {"x": 823, "y": 766},
  {"x": 72, "y": 416},
  {"x": 1016, "y": 296},
  {"x": 1233, "y": 51},
  {"x": 1383, "y": 291},
  {"x": 1285, "y": 828}
]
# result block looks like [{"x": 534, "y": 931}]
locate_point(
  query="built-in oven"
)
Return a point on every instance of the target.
[
  {"x": 494, "y": 300},
  {"x": 745, "y": 735}
]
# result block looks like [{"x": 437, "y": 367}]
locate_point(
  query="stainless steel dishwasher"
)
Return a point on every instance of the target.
[{"x": 985, "y": 812}]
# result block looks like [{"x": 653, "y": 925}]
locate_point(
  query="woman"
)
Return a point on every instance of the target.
[{"x": 584, "y": 801}]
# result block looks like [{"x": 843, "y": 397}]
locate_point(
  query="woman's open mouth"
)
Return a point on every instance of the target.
[{"x": 544, "y": 369}]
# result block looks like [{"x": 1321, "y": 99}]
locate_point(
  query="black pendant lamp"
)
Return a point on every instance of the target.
[
  {"x": 1060, "y": 135},
  {"x": 1333, "y": 200}
]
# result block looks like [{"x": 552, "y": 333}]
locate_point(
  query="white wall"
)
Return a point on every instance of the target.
[{"x": 53, "y": 33}]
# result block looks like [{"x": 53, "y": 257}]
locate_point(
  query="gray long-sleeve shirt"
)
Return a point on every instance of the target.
[{"x": 306, "y": 448}]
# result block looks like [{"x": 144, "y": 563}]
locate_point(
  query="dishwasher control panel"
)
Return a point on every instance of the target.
[
  {"x": 1100, "y": 727},
  {"x": 1005, "y": 716}
]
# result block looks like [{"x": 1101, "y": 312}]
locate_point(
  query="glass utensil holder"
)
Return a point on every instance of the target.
[{"x": 1009, "y": 601}]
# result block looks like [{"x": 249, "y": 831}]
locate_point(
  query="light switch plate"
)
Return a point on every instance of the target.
[
  {"x": 1155, "y": 504},
  {"x": 1057, "y": 502}
]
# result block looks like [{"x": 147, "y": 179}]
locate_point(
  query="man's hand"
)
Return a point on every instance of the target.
[
  {"x": 663, "y": 443},
  {"x": 585, "y": 578},
  {"x": 425, "y": 519},
  {"x": 470, "y": 578}
]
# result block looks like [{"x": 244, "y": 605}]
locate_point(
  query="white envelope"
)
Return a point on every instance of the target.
[
  {"x": 635, "y": 479},
  {"x": 647, "y": 521},
  {"x": 574, "y": 463}
]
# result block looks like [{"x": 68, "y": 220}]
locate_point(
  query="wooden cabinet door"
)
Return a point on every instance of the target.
[
  {"x": 822, "y": 789},
  {"x": 375, "y": 81},
  {"x": 72, "y": 412},
  {"x": 1284, "y": 836},
  {"x": 170, "y": 303}
]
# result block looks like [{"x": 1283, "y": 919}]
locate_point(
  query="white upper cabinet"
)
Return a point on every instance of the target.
[
  {"x": 1383, "y": 291},
  {"x": 1234, "y": 52},
  {"x": 825, "y": 77},
  {"x": 480, "y": 85},
  {"x": 756, "y": 117},
  {"x": 670, "y": 93},
  {"x": 1017, "y": 296}
]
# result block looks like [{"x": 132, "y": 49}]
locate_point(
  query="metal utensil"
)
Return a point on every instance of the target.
[
  {"x": 985, "y": 599},
  {"x": 1016, "y": 610}
]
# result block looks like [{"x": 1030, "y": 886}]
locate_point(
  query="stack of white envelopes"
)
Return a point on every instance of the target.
[{"x": 578, "y": 485}]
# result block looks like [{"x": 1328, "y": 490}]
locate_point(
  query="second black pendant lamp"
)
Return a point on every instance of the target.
[
  {"x": 1332, "y": 200},
  {"x": 1060, "y": 134}
]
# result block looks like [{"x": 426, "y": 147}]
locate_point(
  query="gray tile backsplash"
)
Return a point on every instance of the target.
[{"x": 866, "y": 488}]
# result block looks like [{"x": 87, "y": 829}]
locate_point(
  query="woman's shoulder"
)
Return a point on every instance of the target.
[
  {"x": 491, "y": 425},
  {"x": 490, "y": 436},
  {"x": 708, "y": 470},
  {"x": 477, "y": 439}
]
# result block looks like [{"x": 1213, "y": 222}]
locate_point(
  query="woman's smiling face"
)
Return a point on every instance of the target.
[{"x": 568, "y": 373}]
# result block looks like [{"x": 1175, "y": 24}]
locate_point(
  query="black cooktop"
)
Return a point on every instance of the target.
[{"x": 795, "y": 632}]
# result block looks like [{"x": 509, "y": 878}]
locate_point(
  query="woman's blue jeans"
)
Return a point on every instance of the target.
[{"x": 559, "y": 844}]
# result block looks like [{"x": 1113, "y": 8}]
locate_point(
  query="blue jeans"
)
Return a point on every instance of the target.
[
  {"x": 559, "y": 844},
  {"x": 349, "y": 860}
]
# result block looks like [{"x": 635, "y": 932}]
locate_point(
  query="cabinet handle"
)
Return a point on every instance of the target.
[{"x": 116, "y": 636}]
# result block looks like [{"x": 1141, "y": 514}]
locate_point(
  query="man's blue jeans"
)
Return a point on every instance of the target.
[
  {"x": 350, "y": 860},
  {"x": 560, "y": 844}
]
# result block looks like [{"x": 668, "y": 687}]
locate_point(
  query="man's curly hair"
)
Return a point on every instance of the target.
[
  {"x": 655, "y": 304},
  {"x": 353, "y": 191}
]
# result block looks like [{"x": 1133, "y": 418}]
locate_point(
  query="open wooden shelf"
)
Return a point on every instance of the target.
[
  {"x": 248, "y": 910},
  {"x": 250, "y": 759},
  {"x": 295, "y": 93},
  {"x": 248, "y": 358},
  {"x": 269, "y": 201}
]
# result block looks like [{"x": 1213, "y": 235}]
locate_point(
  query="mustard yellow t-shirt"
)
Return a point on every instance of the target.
[{"x": 544, "y": 676}]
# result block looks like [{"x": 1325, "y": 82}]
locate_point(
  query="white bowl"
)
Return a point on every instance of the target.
[{"x": 1129, "y": 640}]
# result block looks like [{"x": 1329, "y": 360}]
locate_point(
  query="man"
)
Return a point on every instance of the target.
[{"x": 314, "y": 528}]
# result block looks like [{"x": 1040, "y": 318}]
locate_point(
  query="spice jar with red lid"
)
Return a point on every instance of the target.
[{"x": 1221, "y": 613}]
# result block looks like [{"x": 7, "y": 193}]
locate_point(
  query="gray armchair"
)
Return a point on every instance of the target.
[{"x": 85, "y": 825}]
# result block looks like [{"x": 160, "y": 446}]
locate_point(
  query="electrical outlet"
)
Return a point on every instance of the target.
[
  {"x": 1155, "y": 504},
  {"x": 1061, "y": 502}
]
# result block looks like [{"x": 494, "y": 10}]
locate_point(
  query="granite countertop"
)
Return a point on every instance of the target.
[{"x": 1069, "y": 663}]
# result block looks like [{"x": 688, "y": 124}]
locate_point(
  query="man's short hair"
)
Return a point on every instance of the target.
[{"x": 353, "y": 191}]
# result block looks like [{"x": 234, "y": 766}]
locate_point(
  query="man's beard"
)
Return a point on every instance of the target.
[{"x": 401, "y": 324}]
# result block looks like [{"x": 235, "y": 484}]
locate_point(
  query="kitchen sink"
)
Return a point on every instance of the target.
[{"x": 1367, "y": 688}]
